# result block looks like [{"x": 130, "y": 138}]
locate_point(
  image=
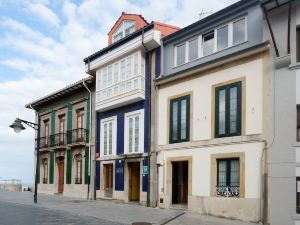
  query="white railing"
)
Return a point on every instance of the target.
[{"x": 128, "y": 85}]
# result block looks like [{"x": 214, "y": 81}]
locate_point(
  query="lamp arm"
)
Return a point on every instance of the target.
[{"x": 32, "y": 125}]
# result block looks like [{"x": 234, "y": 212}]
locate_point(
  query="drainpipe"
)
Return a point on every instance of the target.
[
  {"x": 149, "y": 118},
  {"x": 90, "y": 137},
  {"x": 263, "y": 193}
]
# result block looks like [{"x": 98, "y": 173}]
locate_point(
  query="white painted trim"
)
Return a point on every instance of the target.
[
  {"x": 128, "y": 115},
  {"x": 151, "y": 40},
  {"x": 200, "y": 44},
  {"x": 112, "y": 119}
]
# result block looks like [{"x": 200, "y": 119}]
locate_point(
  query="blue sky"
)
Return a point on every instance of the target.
[{"x": 42, "y": 45}]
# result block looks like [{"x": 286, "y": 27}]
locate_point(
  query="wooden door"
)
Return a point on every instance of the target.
[
  {"x": 108, "y": 180},
  {"x": 61, "y": 176},
  {"x": 180, "y": 182},
  {"x": 134, "y": 181}
]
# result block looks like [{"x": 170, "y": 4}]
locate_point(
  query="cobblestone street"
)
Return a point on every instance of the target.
[{"x": 17, "y": 208}]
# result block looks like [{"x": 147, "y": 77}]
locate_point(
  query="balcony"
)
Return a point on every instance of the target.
[
  {"x": 59, "y": 140},
  {"x": 228, "y": 191},
  {"x": 44, "y": 142},
  {"x": 126, "y": 92},
  {"x": 77, "y": 136}
]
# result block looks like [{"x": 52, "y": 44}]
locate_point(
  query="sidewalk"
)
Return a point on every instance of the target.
[{"x": 115, "y": 212}]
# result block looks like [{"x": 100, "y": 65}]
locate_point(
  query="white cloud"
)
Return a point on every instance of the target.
[
  {"x": 48, "y": 63},
  {"x": 44, "y": 13}
]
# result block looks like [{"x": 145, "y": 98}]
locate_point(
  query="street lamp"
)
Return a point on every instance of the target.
[{"x": 18, "y": 127}]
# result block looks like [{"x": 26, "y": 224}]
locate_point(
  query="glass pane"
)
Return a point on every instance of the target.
[
  {"x": 116, "y": 72},
  {"x": 123, "y": 69},
  {"x": 136, "y": 133},
  {"x": 129, "y": 27},
  {"x": 222, "y": 38},
  {"x": 110, "y": 138},
  {"x": 105, "y": 139},
  {"x": 239, "y": 34},
  {"x": 104, "y": 78},
  {"x": 233, "y": 110},
  {"x": 222, "y": 171},
  {"x": 181, "y": 54},
  {"x": 183, "y": 119},
  {"x": 136, "y": 64},
  {"x": 109, "y": 76},
  {"x": 130, "y": 134},
  {"x": 193, "y": 49},
  {"x": 235, "y": 173},
  {"x": 208, "y": 43},
  {"x": 128, "y": 67},
  {"x": 222, "y": 114},
  {"x": 174, "y": 120}
]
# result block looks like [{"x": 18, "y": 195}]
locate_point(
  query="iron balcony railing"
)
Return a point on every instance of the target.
[
  {"x": 78, "y": 180},
  {"x": 44, "y": 142},
  {"x": 59, "y": 139},
  {"x": 78, "y": 135},
  {"x": 228, "y": 191}
]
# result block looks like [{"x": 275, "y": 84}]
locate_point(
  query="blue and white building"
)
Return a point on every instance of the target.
[{"x": 123, "y": 72}]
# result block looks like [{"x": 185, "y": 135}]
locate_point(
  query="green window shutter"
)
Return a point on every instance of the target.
[
  {"x": 69, "y": 167},
  {"x": 87, "y": 119},
  {"x": 52, "y": 140},
  {"x": 86, "y": 166},
  {"x": 69, "y": 123},
  {"x": 51, "y": 171}
]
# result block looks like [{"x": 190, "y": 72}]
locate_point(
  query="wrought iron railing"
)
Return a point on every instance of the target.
[
  {"x": 78, "y": 180},
  {"x": 78, "y": 135},
  {"x": 44, "y": 142},
  {"x": 45, "y": 180},
  {"x": 228, "y": 191},
  {"x": 60, "y": 139}
]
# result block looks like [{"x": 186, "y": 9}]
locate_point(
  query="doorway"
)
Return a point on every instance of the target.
[
  {"x": 61, "y": 168},
  {"x": 108, "y": 180},
  {"x": 134, "y": 181},
  {"x": 180, "y": 176}
]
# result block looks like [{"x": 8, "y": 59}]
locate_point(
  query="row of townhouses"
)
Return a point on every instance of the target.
[{"x": 204, "y": 118}]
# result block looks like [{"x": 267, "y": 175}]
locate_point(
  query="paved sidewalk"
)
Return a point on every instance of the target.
[{"x": 118, "y": 213}]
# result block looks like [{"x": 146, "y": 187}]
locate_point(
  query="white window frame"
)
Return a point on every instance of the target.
[
  {"x": 112, "y": 119},
  {"x": 123, "y": 30},
  {"x": 139, "y": 113},
  {"x": 200, "y": 41}
]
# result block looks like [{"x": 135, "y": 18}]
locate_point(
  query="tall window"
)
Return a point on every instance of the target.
[
  {"x": 228, "y": 177},
  {"x": 126, "y": 28},
  {"x": 193, "y": 49},
  {"x": 239, "y": 31},
  {"x": 208, "y": 43},
  {"x": 80, "y": 124},
  {"x": 134, "y": 134},
  {"x": 228, "y": 110},
  {"x": 179, "y": 119},
  {"x": 222, "y": 38},
  {"x": 45, "y": 171},
  {"x": 62, "y": 120},
  {"x": 46, "y": 132},
  {"x": 134, "y": 138},
  {"x": 78, "y": 164},
  {"x": 180, "y": 57},
  {"x": 298, "y": 123},
  {"x": 108, "y": 138}
]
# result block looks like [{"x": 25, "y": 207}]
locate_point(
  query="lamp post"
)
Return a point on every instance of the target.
[{"x": 18, "y": 127}]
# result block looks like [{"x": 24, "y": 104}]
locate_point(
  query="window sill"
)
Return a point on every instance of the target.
[
  {"x": 294, "y": 66},
  {"x": 296, "y": 216}
]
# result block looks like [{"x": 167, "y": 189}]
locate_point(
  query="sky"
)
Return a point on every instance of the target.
[{"x": 42, "y": 47}]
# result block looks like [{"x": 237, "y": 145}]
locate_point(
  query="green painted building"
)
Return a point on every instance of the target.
[{"x": 66, "y": 140}]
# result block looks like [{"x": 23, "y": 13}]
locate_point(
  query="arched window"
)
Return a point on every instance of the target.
[{"x": 78, "y": 172}]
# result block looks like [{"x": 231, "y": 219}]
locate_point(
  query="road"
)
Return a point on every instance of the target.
[{"x": 19, "y": 214}]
